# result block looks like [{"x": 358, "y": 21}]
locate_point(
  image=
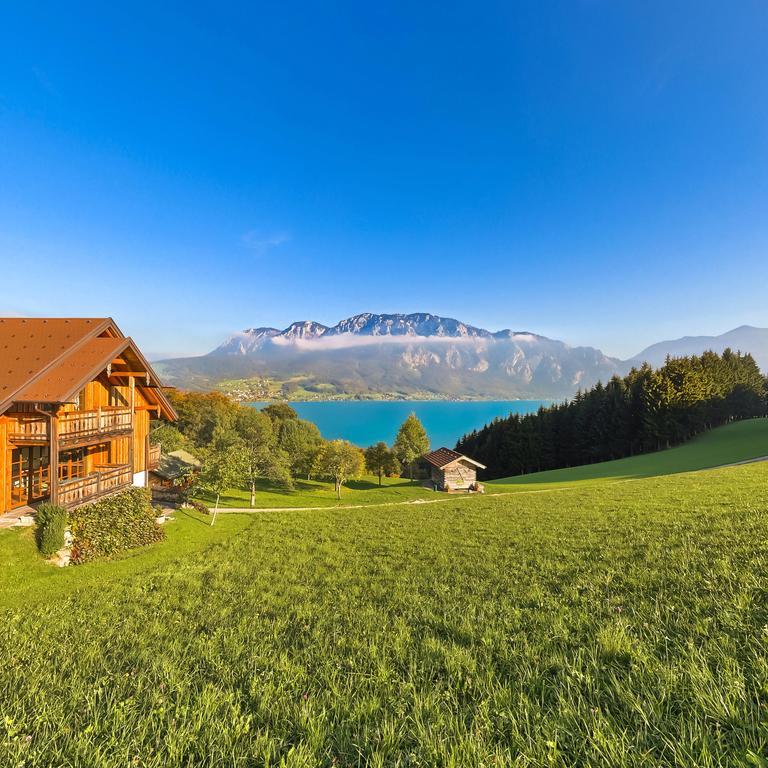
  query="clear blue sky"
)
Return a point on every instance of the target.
[{"x": 594, "y": 171}]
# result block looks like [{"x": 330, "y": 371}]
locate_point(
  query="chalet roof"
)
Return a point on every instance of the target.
[
  {"x": 175, "y": 464},
  {"x": 61, "y": 382},
  {"x": 186, "y": 457},
  {"x": 442, "y": 457},
  {"x": 48, "y": 360},
  {"x": 29, "y": 346}
]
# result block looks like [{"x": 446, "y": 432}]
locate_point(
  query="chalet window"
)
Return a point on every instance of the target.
[
  {"x": 81, "y": 400},
  {"x": 72, "y": 464}
]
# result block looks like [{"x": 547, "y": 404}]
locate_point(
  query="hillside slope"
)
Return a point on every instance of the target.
[{"x": 734, "y": 443}]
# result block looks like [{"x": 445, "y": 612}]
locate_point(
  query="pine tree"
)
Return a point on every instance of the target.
[{"x": 644, "y": 411}]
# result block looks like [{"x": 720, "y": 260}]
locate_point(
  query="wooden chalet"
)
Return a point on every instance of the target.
[
  {"x": 76, "y": 398},
  {"x": 448, "y": 470}
]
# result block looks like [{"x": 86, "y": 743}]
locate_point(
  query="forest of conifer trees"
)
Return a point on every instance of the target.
[{"x": 647, "y": 410}]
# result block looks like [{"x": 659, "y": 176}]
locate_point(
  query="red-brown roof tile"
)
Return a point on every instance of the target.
[
  {"x": 442, "y": 457},
  {"x": 28, "y": 346},
  {"x": 63, "y": 381}
]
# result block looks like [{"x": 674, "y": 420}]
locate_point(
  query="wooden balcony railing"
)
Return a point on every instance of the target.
[
  {"x": 77, "y": 426},
  {"x": 73, "y": 426},
  {"x": 108, "y": 478},
  {"x": 153, "y": 456},
  {"x": 30, "y": 429}
]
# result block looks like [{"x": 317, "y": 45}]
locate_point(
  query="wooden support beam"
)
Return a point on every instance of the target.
[
  {"x": 53, "y": 459},
  {"x": 128, "y": 373},
  {"x": 132, "y": 438}
]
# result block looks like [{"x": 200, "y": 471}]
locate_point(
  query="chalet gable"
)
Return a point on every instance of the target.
[{"x": 49, "y": 360}]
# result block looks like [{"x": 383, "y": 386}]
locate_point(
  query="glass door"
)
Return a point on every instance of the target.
[
  {"x": 30, "y": 475},
  {"x": 19, "y": 477}
]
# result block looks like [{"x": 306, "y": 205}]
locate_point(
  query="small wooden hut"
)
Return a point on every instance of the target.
[
  {"x": 173, "y": 476},
  {"x": 451, "y": 471}
]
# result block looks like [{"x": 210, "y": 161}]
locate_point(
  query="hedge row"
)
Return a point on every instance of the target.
[
  {"x": 112, "y": 525},
  {"x": 51, "y": 525}
]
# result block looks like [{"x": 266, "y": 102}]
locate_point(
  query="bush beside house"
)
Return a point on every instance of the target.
[
  {"x": 51, "y": 526},
  {"x": 113, "y": 524}
]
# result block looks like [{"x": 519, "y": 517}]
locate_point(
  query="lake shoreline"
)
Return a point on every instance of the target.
[
  {"x": 405, "y": 400},
  {"x": 364, "y": 422}
]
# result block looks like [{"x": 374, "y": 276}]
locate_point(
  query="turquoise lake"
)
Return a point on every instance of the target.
[{"x": 364, "y": 422}]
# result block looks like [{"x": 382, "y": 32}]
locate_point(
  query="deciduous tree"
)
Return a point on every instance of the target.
[
  {"x": 222, "y": 469},
  {"x": 280, "y": 412},
  {"x": 302, "y": 441},
  {"x": 380, "y": 460},
  {"x": 410, "y": 443},
  {"x": 340, "y": 461},
  {"x": 261, "y": 457},
  {"x": 168, "y": 437}
]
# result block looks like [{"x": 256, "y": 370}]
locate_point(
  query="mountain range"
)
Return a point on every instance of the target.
[
  {"x": 746, "y": 338},
  {"x": 417, "y": 355}
]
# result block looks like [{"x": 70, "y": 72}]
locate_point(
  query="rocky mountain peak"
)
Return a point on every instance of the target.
[{"x": 304, "y": 329}]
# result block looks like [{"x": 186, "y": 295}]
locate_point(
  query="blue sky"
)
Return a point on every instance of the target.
[{"x": 594, "y": 171}]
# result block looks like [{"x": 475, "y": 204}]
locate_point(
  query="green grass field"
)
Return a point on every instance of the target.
[
  {"x": 317, "y": 493},
  {"x": 27, "y": 578},
  {"x": 737, "y": 442},
  {"x": 605, "y": 624}
]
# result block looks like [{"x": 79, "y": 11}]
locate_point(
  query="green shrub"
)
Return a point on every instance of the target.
[
  {"x": 114, "y": 524},
  {"x": 51, "y": 524}
]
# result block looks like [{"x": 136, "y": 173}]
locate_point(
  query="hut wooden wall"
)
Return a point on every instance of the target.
[{"x": 459, "y": 475}]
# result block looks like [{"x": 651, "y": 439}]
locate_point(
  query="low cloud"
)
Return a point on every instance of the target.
[{"x": 348, "y": 340}]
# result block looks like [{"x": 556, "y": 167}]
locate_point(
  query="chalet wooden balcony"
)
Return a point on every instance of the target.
[
  {"x": 107, "y": 479},
  {"x": 29, "y": 430},
  {"x": 153, "y": 457},
  {"x": 82, "y": 427},
  {"x": 74, "y": 427}
]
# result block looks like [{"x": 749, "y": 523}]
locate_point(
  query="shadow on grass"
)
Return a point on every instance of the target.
[
  {"x": 362, "y": 485},
  {"x": 191, "y": 514},
  {"x": 372, "y": 485}
]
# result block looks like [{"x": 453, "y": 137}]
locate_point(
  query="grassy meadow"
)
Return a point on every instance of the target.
[
  {"x": 27, "y": 579},
  {"x": 319, "y": 493},
  {"x": 742, "y": 441},
  {"x": 604, "y": 624}
]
